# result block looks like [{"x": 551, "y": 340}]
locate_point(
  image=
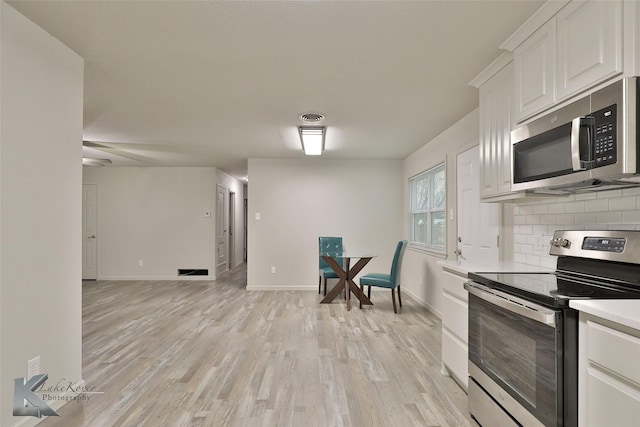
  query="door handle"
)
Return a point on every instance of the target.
[
  {"x": 93, "y": 236},
  {"x": 582, "y": 142}
]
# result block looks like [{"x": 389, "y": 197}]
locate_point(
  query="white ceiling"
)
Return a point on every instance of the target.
[{"x": 212, "y": 83}]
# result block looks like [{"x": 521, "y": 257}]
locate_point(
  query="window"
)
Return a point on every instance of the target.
[{"x": 428, "y": 203}]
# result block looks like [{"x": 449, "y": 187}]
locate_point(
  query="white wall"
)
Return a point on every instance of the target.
[
  {"x": 40, "y": 199},
  {"x": 154, "y": 214},
  {"x": 422, "y": 277},
  {"x": 300, "y": 200}
]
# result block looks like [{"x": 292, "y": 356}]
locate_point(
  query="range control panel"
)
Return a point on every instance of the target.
[{"x": 604, "y": 244}]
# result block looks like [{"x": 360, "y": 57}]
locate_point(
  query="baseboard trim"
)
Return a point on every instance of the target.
[
  {"x": 282, "y": 288},
  {"x": 423, "y": 303},
  {"x": 176, "y": 277}
]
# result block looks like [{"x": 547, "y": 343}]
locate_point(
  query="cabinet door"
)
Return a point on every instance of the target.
[
  {"x": 503, "y": 130},
  {"x": 589, "y": 45},
  {"x": 495, "y": 134},
  {"x": 489, "y": 98},
  {"x": 534, "y": 64},
  {"x": 609, "y": 378}
]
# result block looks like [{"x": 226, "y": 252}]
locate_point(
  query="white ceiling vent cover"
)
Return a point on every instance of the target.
[{"x": 312, "y": 117}]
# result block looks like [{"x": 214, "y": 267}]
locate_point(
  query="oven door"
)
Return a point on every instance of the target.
[{"x": 515, "y": 355}]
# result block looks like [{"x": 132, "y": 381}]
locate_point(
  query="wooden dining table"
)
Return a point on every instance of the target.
[{"x": 346, "y": 273}]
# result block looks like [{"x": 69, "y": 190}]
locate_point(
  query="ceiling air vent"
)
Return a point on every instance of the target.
[{"x": 312, "y": 117}]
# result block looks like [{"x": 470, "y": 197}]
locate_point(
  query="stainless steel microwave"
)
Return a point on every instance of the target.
[{"x": 590, "y": 144}]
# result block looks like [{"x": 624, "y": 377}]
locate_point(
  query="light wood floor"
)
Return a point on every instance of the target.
[{"x": 196, "y": 353}]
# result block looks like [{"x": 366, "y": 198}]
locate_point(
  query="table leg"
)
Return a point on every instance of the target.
[
  {"x": 342, "y": 276},
  {"x": 346, "y": 282}
]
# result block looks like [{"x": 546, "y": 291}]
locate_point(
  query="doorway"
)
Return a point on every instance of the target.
[
  {"x": 232, "y": 222},
  {"x": 478, "y": 223},
  {"x": 89, "y": 232},
  {"x": 222, "y": 237}
]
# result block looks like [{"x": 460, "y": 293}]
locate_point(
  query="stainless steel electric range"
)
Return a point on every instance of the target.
[{"x": 523, "y": 336}]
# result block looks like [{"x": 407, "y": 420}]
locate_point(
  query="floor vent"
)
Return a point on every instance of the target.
[{"x": 193, "y": 272}]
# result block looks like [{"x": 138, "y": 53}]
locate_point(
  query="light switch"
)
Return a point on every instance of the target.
[
  {"x": 207, "y": 214},
  {"x": 257, "y": 216}
]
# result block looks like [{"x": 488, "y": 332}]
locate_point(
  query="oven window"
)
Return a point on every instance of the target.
[
  {"x": 521, "y": 355},
  {"x": 543, "y": 156}
]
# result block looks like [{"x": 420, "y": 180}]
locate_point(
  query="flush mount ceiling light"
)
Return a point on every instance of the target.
[
  {"x": 91, "y": 161},
  {"x": 312, "y": 138}
]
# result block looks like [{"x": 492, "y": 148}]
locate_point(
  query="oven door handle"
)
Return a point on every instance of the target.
[{"x": 513, "y": 304}]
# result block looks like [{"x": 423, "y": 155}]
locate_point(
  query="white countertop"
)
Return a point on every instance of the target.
[
  {"x": 625, "y": 312},
  {"x": 462, "y": 267}
]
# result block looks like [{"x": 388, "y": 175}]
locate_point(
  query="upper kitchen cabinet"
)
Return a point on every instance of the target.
[
  {"x": 534, "y": 63},
  {"x": 494, "y": 85},
  {"x": 589, "y": 45},
  {"x": 565, "y": 49}
]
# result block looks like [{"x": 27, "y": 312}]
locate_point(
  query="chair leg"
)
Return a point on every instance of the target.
[
  {"x": 361, "y": 290},
  {"x": 325, "y": 286},
  {"x": 393, "y": 298},
  {"x": 369, "y": 292},
  {"x": 319, "y": 284},
  {"x": 399, "y": 296}
]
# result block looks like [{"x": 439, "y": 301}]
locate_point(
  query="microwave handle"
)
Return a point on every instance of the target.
[{"x": 582, "y": 142}]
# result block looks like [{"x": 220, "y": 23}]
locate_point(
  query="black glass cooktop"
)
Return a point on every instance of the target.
[{"x": 556, "y": 289}]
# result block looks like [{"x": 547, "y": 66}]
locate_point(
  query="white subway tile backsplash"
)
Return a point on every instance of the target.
[
  {"x": 548, "y": 219},
  {"x": 566, "y": 219},
  {"x": 627, "y": 203},
  {"x": 536, "y": 221},
  {"x": 609, "y": 194},
  {"x": 597, "y": 205},
  {"x": 609, "y": 217},
  {"x": 575, "y": 207},
  {"x": 540, "y": 209},
  {"x": 586, "y": 218},
  {"x": 557, "y": 208},
  {"x": 631, "y": 217},
  {"x": 533, "y": 219},
  {"x": 520, "y": 257},
  {"x": 533, "y": 260},
  {"x": 519, "y": 219},
  {"x": 586, "y": 196}
]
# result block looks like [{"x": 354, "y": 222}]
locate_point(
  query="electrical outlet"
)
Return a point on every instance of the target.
[
  {"x": 33, "y": 367},
  {"x": 273, "y": 269},
  {"x": 140, "y": 263}
]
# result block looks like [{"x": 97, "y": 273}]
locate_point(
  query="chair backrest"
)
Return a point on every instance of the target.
[
  {"x": 329, "y": 245},
  {"x": 396, "y": 265}
]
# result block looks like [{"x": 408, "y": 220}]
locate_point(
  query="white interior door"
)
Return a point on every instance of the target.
[
  {"x": 478, "y": 223},
  {"x": 89, "y": 232},
  {"x": 222, "y": 235}
]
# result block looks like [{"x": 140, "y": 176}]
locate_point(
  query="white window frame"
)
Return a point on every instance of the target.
[{"x": 430, "y": 210}]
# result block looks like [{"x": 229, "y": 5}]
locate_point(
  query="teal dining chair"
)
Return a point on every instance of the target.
[
  {"x": 389, "y": 281},
  {"x": 328, "y": 245}
]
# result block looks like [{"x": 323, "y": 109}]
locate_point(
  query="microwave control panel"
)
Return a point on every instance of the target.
[{"x": 605, "y": 136}]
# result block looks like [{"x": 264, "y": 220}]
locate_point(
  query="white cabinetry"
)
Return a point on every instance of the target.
[
  {"x": 495, "y": 129},
  {"x": 455, "y": 327},
  {"x": 534, "y": 63},
  {"x": 609, "y": 373},
  {"x": 589, "y": 45},
  {"x": 573, "y": 50}
]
